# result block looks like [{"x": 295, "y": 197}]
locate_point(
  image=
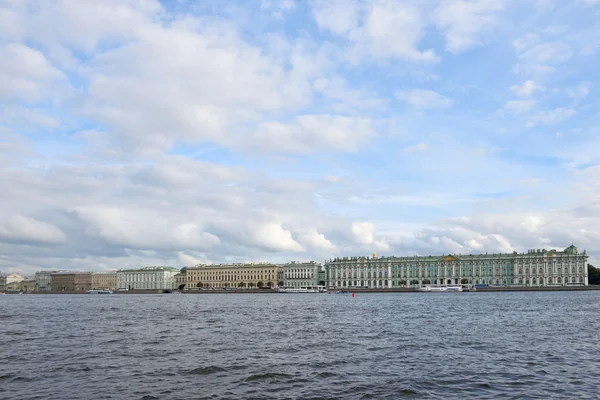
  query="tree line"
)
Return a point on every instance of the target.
[{"x": 593, "y": 275}]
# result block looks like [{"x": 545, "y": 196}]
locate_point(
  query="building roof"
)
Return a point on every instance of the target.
[{"x": 149, "y": 269}]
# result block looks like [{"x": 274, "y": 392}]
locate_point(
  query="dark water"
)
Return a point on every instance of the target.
[{"x": 300, "y": 346}]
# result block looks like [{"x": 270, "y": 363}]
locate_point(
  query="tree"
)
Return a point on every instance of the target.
[
  {"x": 199, "y": 285},
  {"x": 464, "y": 281},
  {"x": 280, "y": 283},
  {"x": 242, "y": 284},
  {"x": 260, "y": 284},
  {"x": 321, "y": 283},
  {"x": 250, "y": 284},
  {"x": 593, "y": 275},
  {"x": 426, "y": 282},
  {"x": 270, "y": 284},
  {"x": 402, "y": 282}
]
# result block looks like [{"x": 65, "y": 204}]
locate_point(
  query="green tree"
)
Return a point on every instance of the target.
[
  {"x": 242, "y": 285},
  {"x": 270, "y": 284},
  {"x": 199, "y": 285},
  {"x": 593, "y": 275},
  {"x": 280, "y": 283},
  {"x": 321, "y": 283},
  {"x": 464, "y": 281},
  {"x": 260, "y": 284},
  {"x": 250, "y": 284},
  {"x": 426, "y": 282}
]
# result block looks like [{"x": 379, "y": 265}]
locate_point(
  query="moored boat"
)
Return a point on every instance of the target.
[
  {"x": 95, "y": 291},
  {"x": 431, "y": 288}
]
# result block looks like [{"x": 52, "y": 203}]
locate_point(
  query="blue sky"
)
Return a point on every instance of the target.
[{"x": 176, "y": 132}]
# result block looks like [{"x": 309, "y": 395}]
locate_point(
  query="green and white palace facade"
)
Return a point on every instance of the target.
[{"x": 536, "y": 267}]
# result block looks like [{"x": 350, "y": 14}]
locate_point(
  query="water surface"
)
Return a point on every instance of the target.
[{"x": 300, "y": 346}]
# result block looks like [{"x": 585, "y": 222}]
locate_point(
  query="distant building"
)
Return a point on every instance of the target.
[
  {"x": 2, "y": 283},
  {"x": 63, "y": 281},
  {"x": 11, "y": 278},
  {"x": 248, "y": 275},
  {"x": 26, "y": 285},
  {"x": 535, "y": 268},
  {"x": 300, "y": 275},
  {"x": 147, "y": 278},
  {"x": 104, "y": 280},
  {"x": 180, "y": 280},
  {"x": 43, "y": 280}
]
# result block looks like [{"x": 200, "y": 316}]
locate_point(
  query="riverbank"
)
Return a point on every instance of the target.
[{"x": 393, "y": 290}]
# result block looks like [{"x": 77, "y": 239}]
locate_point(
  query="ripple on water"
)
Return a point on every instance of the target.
[{"x": 381, "y": 346}]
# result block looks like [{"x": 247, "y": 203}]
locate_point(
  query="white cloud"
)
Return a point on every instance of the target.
[
  {"x": 309, "y": 133},
  {"x": 21, "y": 229},
  {"x": 274, "y": 236},
  {"x": 463, "y": 21},
  {"x": 526, "y": 89},
  {"x": 550, "y": 117},
  {"x": 381, "y": 28},
  {"x": 541, "y": 58},
  {"x": 26, "y": 74},
  {"x": 519, "y": 106},
  {"x": 364, "y": 234},
  {"x": 580, "y": 91},
  {"x": 423, "y": 98},
  {"x": 417, "y": 148}
]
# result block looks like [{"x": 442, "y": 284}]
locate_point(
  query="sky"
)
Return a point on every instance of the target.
[{"x": 137, "y": 133}]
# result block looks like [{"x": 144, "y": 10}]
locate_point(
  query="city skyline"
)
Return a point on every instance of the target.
[{"x": 173, "y": 133}]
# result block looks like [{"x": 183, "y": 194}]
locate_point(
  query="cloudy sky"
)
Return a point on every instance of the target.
[{"x": 138, "y": 133}]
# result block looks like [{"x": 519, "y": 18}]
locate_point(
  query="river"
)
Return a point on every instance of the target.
[{"x": 300, "y": 346}]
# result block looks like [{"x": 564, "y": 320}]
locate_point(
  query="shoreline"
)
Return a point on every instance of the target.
[{"x": 394, "y": 290}]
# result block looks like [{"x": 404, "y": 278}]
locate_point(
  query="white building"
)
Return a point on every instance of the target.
[
  {"x": 300, "y": 275},
  {"x": 13, "y": 278},
  {"x": 43, "y": 280},
  {"x": 147, "y": 278},
  {"x": 535, "y": 268}
]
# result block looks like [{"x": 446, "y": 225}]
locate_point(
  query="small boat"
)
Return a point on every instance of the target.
[
  {"x": 94, "y": 291},
  {"x": 296, "y": 290},
  {"x": 430, "y": 288}
]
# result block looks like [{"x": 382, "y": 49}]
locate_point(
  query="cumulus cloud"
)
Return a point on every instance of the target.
[
  {"x": 20, "y": 229},
  {"x": 423, "y": 98},
  {"x": 463, "y": 21},
  {"x": 380, "y": 28},
  {"x": 519, "y": 106},
  {"x": 550, "y": 117},
  {"x": 526, "y": 89},
  {"x": 416, "y": 148},
  {"x": 309, "y": 133}
]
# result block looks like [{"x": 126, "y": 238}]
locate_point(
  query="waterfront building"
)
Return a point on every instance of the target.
[
  {"x": 63, "y": 281},
  {"x": 248, "y": 275},
  {"x": 538, "y": 267},
  {"x": 104, "y": 280},
  {"x": 12, "y": 278},
  {"x": 300, "y": 275},
  {"x": 2, "y": 283},
  {"x": 180, "y": 279},
  {"x": 82, "y": 281},
  {"x": 147, "y": 278},
  {"x": 26, "y": 285},
  {"x": 43, "y": 280}
]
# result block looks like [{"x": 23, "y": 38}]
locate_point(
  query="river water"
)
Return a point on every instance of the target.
[{"x": 300, "y": 346}]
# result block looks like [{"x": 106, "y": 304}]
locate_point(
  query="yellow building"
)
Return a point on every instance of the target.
[
  {"x": 250, "y": 275},
  {"x": 104, "y": 280}
]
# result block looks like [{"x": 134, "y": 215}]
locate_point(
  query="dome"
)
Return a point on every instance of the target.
[
  {"x": 374, "y": 254},
  {"x": 572, "y": 249}
]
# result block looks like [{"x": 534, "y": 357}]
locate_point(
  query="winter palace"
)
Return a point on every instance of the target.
[{"x": 536, "y": 267}]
